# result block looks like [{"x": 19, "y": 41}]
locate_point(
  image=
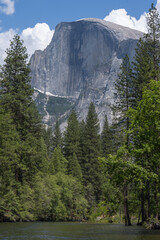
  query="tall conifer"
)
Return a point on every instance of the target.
[
  {"x": 16, "y": 99},
  {"x": 106, "y": 139},
  {"x": 72, "y": 136},
  {"x": 92, "y": 149},
  {"x": 57, "y": 136}
]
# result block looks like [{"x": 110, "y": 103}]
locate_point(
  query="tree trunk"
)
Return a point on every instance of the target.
[
  {"x": 156, "y": 202},
  {"x": 142, "y": 207},
  {"x": 139, "y": 216},
  {"x": 148, "y": 201},
  {"x": 126, "y": 211}
]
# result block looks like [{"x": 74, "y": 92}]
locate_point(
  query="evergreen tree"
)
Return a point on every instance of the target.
[
  {"x": 72, "y": 138},
  {"x": 143, "y": 69},
  {"x": 146, "y": 68},
  {"x": 57, "y": 138},
  {"x": 48, "y": 139},
  {"x": 82, "y": 144},
  {"x": 58, "y": 163},
  {"x": 16, "y": 92},
  {"x": 145, "y": 144},
  {"x": 9, "y": 159},
  {"x": 147, "y": 56},
  {"x": 91, "y": 169},
  {"x": 124, "y": 90},
  {"x": 106, "y": 139},
  {"x": 125, "y": 100},
  {"x": 152, "y": 39},
  {"x": 29, "y": 150},
  {"x": 75, "y": 168}
]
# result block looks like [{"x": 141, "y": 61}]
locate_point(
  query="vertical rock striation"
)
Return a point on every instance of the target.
[{"x": 82, "y": 62}]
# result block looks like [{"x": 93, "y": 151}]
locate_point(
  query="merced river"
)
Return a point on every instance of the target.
[{"x": 74, "y": 231}]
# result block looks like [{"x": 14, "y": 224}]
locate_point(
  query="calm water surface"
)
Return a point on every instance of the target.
[{"x": 74, "y": 231}]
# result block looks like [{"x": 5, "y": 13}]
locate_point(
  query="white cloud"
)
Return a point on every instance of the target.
[
  {"x": 158, "y": 5},
  {"x": 7, "y": 6},
  {"x": 5, "y": 38},
  {"x": 121, "y": 17},
  {"x": 37, "y": 38}
]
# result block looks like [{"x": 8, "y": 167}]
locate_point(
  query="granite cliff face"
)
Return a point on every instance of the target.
[{"x": 82, "y": 61}]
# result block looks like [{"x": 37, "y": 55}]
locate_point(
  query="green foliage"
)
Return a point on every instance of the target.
[
  {"x": 47, "y": 135},
  {"x": 74, "y": 167},
  {"x": 40, "y": 100},
  {"x": 38, "y": 182},
  {"x": 124, "y": 88},
  {"x": 121, "y": 169},
  {"x": 145, "y": 127},
  {"x": 72, "y": 146},
  {"x": 143, "y": 69},
  {"x": 58, "y": 163},
  {"x": 147, "y": 57},
  {"x": 100, "y": 211},
  {"x": 22, "y": 149},
  {"x": 125, "y": 99},
  {"x": 72, "y": 136},
  {"x": 34, "y": 184},
  {"x": 16, "y": 92},
  {"x": 152, "y": 38},
  {"x": 92, "y": 148},
  {"x": 58, "y": 106},
  {"x": 106, "y": 139},
  {"x": 54, "y": 105},
  {"x": 72, "y": 196},
  {"x": 57, "y": 139}
]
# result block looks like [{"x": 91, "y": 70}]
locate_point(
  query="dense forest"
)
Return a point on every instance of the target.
[{"x": 82, "y": 174}]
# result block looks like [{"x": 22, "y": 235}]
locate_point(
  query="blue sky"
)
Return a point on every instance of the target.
[
  {"x": 29, "y": 12},
  {"x": 35, "y": 20}
]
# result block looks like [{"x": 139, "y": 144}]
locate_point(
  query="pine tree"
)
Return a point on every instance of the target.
[
  {"x": 145, "y": 144},
  {"x": 124, "y": 101},
  {"x": 48, "y": 139},
  {"x": 74, "y": 167},
  {"x": 16, "y": 92},
  {"x": 16, "y": 101},
  {"x": 147, "y": 56},
  {"x": 143, "y": 69},
  {"x": 57, "y": 138},
  {"x": 152, "y": 39},
  {"x": 82, "y": 144},
  {"x": 91, "y": 169},
  {"x": 58, "y": 163},
  {"x": 72, "y": 136},
  {"x": 146, "y": 68},
  {"x": 9, "y": 159},
  {"x": 124, "y": 90},
  {"x": 106, "y": 139}
]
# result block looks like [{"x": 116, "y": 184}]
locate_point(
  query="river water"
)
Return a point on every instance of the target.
[{"x": 74, "y": 231}]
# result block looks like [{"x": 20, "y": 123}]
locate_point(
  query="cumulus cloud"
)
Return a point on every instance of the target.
[
  {"x": 36, "y": 38},
  {"x": 7, "y": 6},
  {"x": 121, "y": 17},
  {"x": 158, "y": 5},
  {"x": 5, "y": 38}
]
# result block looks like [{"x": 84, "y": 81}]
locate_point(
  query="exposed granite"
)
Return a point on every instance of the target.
[{"x": 82, "y": 62}]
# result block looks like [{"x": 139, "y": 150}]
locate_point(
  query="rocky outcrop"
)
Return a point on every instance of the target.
[{"x": 82, "y": 62}]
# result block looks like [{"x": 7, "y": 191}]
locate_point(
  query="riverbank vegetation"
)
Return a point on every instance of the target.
[{"x": 81, "y": 174}]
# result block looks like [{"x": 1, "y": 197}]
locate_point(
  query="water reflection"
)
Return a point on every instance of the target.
[{"x": 74, "y": 231}]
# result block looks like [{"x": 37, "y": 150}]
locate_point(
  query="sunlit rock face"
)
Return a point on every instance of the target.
[{"x": 82, "y": 61}]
